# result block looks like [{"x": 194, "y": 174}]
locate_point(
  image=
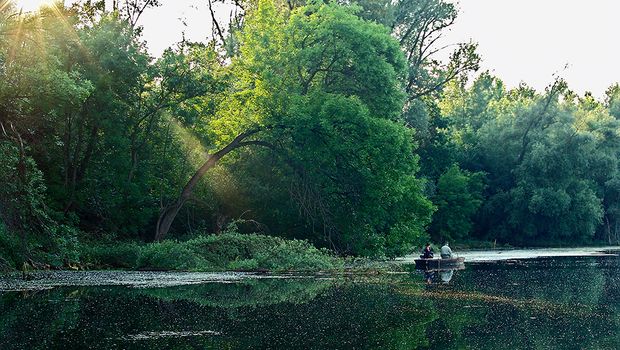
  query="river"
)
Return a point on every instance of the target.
[{"x": 562, "y": 301}]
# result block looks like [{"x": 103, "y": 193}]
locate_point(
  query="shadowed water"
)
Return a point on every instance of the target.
[{"x": 546, "y": 303}]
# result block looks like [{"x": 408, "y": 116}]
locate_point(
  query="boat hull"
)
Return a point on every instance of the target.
[{"x": 440, "y": 264}]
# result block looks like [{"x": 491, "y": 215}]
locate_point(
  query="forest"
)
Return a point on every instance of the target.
[{"x": 321, "y": 128}]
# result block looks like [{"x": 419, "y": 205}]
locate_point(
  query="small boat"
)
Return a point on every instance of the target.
[{"x": 440, "y": 264}]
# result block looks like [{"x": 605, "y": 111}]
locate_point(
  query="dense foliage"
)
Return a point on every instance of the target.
[
  {"x": 550, "y": 160},
  {"x": 228, "y": 251},
  {"x": 328, "y": 122}
]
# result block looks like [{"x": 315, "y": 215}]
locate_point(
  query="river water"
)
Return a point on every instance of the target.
[{"x": 559, "y": 302}]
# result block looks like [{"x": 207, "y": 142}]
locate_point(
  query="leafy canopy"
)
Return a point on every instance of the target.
[{"x": 326, "y": 89}]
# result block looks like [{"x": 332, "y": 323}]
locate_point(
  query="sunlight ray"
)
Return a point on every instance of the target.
[
  {"x": 4, "y": 4},
  {"x": 33, "y": 5}
]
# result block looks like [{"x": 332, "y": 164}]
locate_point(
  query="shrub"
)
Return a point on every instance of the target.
[
  {"x": 60, "y": 248},
  {"x": 228, "y": 251},
  {"x": 169, "y": 255},
  {"x": 235, "y": 251},
  {"x": 10, "y": 250},
  {"x": 120, "y": 255},
  {"x": 243, "y": 265}
]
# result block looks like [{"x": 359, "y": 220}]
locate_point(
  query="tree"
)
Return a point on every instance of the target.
[
  {"x": 540, "y": 180},
  {"x": 458, "y": 198},
  {"x": 612, "y": 100},
  {"x": 321, "y": 89},
  {"x": 418, "y": 25}
]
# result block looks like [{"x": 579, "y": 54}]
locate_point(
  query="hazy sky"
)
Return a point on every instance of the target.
[
  {"x": 519, "y": 40},
  {"x": 530, "y": 40}
]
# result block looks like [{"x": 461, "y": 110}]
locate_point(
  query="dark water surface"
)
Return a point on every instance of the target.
[{"x": 548, "y": 303}]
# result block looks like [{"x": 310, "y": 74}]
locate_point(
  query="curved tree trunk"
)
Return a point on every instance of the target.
[{"x": 167, "y": 214}]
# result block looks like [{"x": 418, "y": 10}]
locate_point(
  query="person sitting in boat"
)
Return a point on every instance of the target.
[
  {"x": 446, "y": 252},
  {"x": 428, "y": 252}
]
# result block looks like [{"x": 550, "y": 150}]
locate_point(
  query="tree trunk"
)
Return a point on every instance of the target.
[
  {"x": 608, "y": 229},
  {"x": 169, "y": 213}
]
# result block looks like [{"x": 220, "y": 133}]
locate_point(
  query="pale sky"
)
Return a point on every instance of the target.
[
  {"x": 519, "y": 40},
  {"x": 530, "y": 40}
]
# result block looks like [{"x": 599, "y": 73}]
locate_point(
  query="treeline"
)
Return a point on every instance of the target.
[
  {"x": 329, "y": 122},
  {"x": 524, "y": 167}
]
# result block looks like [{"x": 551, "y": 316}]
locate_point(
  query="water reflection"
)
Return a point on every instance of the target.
[
  {"x": 438, "y": 276},
  {"x": 564, "y": 303},
  {"x": 446, "y": 276}
]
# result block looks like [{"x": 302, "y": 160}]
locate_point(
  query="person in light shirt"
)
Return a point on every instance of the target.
[{"x": 446, "y": 252}]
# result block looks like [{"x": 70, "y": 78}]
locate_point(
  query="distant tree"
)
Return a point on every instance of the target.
[
  {"x": 458, "y": 197},
  {"x": 540, "y": 179},
  {"x": 612, "y": 100}
]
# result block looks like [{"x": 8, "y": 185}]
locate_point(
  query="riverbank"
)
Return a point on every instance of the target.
[
  {"x": 362, "y": 268},
  {"x": 255, "y": 253},
  {"x": 225, "y": 252}
]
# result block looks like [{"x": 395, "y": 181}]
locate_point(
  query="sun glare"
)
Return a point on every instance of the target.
[{"x": 32, "y": 5}]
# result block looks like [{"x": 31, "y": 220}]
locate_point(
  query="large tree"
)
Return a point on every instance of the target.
[{"x": 322, "y": 89}]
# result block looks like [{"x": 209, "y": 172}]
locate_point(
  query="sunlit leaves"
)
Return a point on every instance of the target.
[{"x": 325, "y": 89}]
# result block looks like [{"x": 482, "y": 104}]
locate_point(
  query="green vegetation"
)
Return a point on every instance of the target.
[
  {"x": 326, "y": 122},
  {"x": 247, "y": 293},
  {"x": 227, "y": 251},
  {"x": 550, "y": 180}
]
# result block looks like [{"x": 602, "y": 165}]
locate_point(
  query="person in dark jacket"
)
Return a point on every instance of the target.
[{"x": 428, "y": 252}]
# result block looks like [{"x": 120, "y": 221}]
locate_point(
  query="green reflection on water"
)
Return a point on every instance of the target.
[{"x": 563, "y": 303}]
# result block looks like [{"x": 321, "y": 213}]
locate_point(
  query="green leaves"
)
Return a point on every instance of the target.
[
  {"x": 546, "y": 156},
  {"x": 326, "y": 90},
  {"x": 458, "y": 196},
  {"x": 364, "y": 168}
]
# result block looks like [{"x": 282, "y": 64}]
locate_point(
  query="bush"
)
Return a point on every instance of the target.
[
  {"x": 59, "y": 248},
  {"x": 10, "y": 250},
  {"x": 119, "y": 255},
  {"x": 243, "y": 265},
  {"x": 27, "y": 232},
  {"x": 228, "y": 251},
  {"x": 234, "y": 251},
  {"x": 294, "y": 255},
  {"x": 169, "y": 255},
  {"x": 22, "y": 194}
]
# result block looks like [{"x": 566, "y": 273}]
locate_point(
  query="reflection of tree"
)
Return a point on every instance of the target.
[
  {"x": 31, "y": 320},
  {"x": 611, "y": 291},
  {"x": 409, "y": 331},
  {"x": 573, "y": 281},
  {"x": 570, "y": 302},
  {"x": 352, "y": 316},
  {"x": 310, "y": 313},
  {"x": 274, "y": 313},
  {"x": 246, "y": 293},
  {"x": 528, "y": 305}
]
